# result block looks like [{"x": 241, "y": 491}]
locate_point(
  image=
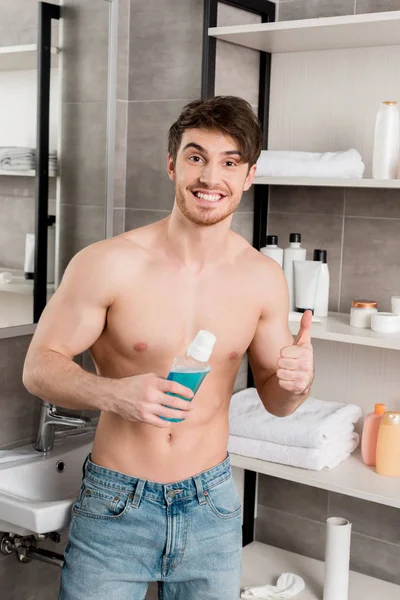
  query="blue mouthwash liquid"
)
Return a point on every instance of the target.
[{"x": 191, "y": 379}]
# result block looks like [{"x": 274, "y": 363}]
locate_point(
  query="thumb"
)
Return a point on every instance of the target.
[{"x": 304, "y": 335}]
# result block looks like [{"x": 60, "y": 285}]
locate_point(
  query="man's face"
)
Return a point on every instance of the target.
[{"x": 209, "y": 176}]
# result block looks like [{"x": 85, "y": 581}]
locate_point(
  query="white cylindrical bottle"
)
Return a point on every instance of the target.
[
  {"x": 386, "y": 155},
  {"x": 272, "y": 249},
  {"x": 29, "y": 263},
  {"x": 293, "y": 252},
  {"x": 322, "y": 298}
]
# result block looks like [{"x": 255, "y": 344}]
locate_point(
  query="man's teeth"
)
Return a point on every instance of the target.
[{"x": 209, "y": 197}]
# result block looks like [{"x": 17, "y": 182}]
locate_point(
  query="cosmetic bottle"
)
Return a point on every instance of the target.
[
  {"x": 293, "y": 252},
  {"x": 191, "y": 369},
  {"x": 322, "y": 298},
  {"x": 272, "y": 249},
  {"x": 388, "y": 446},
  {"x": 369, "y": 436}
]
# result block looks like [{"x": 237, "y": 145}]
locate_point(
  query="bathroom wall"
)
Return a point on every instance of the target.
[
  {"x": 85, "y": 36},
  {"x": 361, "y": 231},
  {"x": 83, "y": 169}
]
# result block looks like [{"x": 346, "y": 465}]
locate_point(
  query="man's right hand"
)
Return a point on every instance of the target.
[{"x": 143, "y": 398}]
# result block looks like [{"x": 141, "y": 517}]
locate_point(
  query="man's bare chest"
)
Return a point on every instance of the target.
[{"x": 154, "y": 321}]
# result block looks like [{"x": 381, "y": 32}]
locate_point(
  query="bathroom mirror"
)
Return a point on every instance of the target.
[{"x": 59, "y": 108}]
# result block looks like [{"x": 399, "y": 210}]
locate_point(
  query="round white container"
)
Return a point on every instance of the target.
[
  {"x": 386, "y": 154},
  {"x": 361, "y": 317},
  {"x": 385, "y": 322}
]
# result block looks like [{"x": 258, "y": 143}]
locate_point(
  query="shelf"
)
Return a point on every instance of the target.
[
  {"x": 336, "y": 328},
  {"x": 30, "y": 173},
  {"x": 351, "y": 478},
  {"x": 328, "y": 33},
  {"x": 329, "y": 182},
  {"x": 22, "y": 58},
  {"x": 262, "y": 564}
]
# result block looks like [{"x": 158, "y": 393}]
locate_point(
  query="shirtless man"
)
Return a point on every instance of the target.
[{"x": 158, "y": 502}]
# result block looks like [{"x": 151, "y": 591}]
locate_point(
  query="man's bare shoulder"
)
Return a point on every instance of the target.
[
  {"x": 253, "y": 259},
  {"x": 116, "y": 252}
]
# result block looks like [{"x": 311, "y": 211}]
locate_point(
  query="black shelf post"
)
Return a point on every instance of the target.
[
  {"x": 266, "y": 10},
  {"x": 47, "y": 12}
]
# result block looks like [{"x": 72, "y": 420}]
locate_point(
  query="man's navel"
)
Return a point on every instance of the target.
[{"x": 140, "y": 347}]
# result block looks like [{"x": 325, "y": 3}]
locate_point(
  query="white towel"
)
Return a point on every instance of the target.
[
  {"x": 287, "y": 586},
  {"x": 314, "y": 459},
  {"x": 16, "y": 158},
  {"x": 315, "y": 424},
  {"x": 282, "y": 163}
]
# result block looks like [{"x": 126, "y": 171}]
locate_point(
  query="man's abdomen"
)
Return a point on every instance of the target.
[{"x": 161, "y": 454}]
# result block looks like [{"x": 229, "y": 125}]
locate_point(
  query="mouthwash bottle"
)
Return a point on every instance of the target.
[{"x": 191, "y": 369}]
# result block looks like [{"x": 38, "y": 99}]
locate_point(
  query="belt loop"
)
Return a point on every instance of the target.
[
  {"x": 199, "y": 489},
  {"x": 138, "y": 493}
]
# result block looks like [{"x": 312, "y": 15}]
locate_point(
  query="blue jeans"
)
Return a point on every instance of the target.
[{"x": 127, "y": 532}]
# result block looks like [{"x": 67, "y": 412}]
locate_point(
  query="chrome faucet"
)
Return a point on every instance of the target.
[{"x": 48, "y": 421}]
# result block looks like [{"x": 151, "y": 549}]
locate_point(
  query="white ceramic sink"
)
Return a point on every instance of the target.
[{"x": 35, "y": 496}]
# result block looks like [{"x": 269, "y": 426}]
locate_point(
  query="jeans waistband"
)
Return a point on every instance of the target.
[{"x": 168, "y": 492}]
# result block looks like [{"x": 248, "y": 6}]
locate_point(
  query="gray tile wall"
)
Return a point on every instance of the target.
[
  {"x": 17, "y": 217},
  {"x": 164, "y": 75},
  {"x": 84, "y": 125},
  {"x": 361, "y": 231},
  {"x": 292, "y": 516}
]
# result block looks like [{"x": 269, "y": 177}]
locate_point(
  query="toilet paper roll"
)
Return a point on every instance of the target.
[
  {"x": 6, "y": 277},
  {"x": 337, "y": 559}
]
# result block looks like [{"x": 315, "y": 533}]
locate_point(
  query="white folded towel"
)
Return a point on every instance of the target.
[
  {"x": 16, "y": 158},
  {"x": 315, "y": 424},
  {"x": 314, "y": 459},
  {"x": 282, "y": 163},
  {"x": 287, "y": 586}
]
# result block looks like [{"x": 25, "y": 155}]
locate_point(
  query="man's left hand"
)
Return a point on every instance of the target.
[{"x": 295, "y": 371}]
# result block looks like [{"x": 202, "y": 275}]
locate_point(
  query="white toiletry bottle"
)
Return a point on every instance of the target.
[
  {"x": 293, "y": 252},
  {"x": 272, "y": 249},
  {"x": 191, "y": 369},
  {"x": 386, "y": 154},
  {"x": 322, "y": 298}
]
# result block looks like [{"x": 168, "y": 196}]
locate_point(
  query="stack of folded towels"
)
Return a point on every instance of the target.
[
  {"x": 318, "y": 435},
  {"x": 15, "y": 158},
  {"x": 282, "y": 163}
]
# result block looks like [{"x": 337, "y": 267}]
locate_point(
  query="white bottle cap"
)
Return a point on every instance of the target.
[{"x": 202, "y": 346}]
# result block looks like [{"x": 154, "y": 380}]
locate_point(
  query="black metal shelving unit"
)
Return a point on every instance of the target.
[
  {"x": 47, "y": 12},
  {"x": 266, "y": 10}
]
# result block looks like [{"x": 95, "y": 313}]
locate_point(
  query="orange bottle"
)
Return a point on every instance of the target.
[
  {"x": 388, "y": 447},
  {"x": 369, "y": 436}
]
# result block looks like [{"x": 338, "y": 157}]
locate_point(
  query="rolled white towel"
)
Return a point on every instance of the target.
[
  {"x": 287, "y": 586},
  {"x": 281, "y": 163},
  {"x": 314, "y": 459},
  {"x": 315, "y": 424}
]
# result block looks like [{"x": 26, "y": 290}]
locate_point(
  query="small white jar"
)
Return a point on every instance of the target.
[
  {"x": 385, "y": 322},
  {"x": 361, "y": 313},
  {"x": 395, "y": 301}
]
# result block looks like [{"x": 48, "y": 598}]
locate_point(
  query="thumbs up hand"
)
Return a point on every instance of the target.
[{"x": 295, "y": 371}]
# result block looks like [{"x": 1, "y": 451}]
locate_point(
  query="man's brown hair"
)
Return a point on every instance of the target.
[{"x": 230, "y": 115}]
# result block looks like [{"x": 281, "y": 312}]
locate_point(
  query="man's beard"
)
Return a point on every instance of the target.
[{"x": 203, "y": 216}]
